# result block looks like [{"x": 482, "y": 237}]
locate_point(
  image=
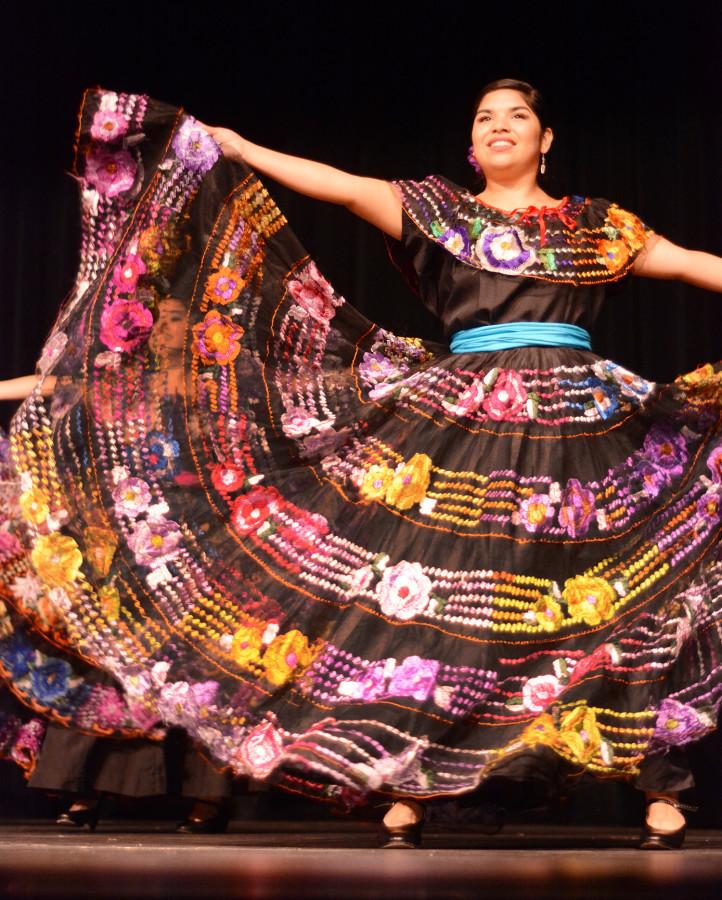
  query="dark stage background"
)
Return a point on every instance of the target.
[{"x": 386, "y": 91}]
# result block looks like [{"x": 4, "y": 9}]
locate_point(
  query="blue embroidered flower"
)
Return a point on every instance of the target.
[
  {"x": 16, "y": 655},
  {"x": 502, "y": 248},
  {"x": 50, "y": 681},
  {"x": 605, "y": 396},
  {"x": 163, "y": 452}
]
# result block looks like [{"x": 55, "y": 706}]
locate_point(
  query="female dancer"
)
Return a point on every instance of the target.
[{"x": 357, "y": 563}]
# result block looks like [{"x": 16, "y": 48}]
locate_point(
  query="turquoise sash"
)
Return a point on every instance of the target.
[{"x": 520, "y": 334}]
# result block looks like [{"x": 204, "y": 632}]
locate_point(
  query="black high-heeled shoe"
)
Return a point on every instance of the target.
[
  {"x": 216, "y": 823},
  {"x": 85, "y": 819},
  {"x": 404, "y": 837},
  {"x": 653, "y": 839}
]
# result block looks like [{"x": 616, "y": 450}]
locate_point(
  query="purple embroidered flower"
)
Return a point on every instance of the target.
[
  {"x": 653, "y": 478},
  {"x": 708, "y": 507},
  {"x": 665, "y": 449},
  {"x": 414, "y": 678},
  {"x": 403, "y": 591},
  {"x": 714, "y": 464},
  {"x": 535, "y": 512},
  {"x": 28, "y": 742},
  {"x": 577, "y": 508},
  {"x": 502, "y": 249},
  {"x": 367, "y": 685},
  {"x": 326, "y": 441},
  {"x": 152, "y": 540},
  {"x": 103, "y": 707},
  {"x": 456, "y": 241},
  {"x": 108, "y": 125},
  {"x": 678, "y": 723},
  {"x": 110, "y": 173},
  {"x": 194, "y": 147},
  {"x": 376, "y": 368},
  {"x": 124, "y": 325},
  {"x": 132, "y": 497}
]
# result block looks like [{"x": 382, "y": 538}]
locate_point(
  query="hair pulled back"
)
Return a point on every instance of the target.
[{"x": 532, "y": 96}]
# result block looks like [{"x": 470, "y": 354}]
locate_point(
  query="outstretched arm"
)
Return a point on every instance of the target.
[
  {"x": 663, "y": 259},
  {"x": 20, "y": 388},
  {"x": 369, "y": 198}
]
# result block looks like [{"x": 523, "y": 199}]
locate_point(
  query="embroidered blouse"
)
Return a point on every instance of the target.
[{"x": 472, "y": 264}]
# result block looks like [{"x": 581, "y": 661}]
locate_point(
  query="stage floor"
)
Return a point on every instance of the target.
[{"x": 340, "y": 860}]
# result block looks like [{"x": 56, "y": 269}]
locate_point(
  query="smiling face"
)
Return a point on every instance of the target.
[
  {"x": 166, "y": 338},
  {"x": 507, "y": 137}
]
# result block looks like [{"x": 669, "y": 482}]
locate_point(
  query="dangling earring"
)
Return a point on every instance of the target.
[
  {"x": 543, "y": 166},
  {"x": 473, "y": 162}
]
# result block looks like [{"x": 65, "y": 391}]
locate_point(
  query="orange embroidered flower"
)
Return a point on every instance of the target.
[
  {"x": 376, "y": 482},
  {"x": 409, "y": 483},
  {"x": 100, "y": 547},
  {"x": 579, "y": 733},
  {"x": 699, "y": 376},
  {"x": 247, "y": 647},
  {"x": 34, "y": 506},
  {"x": 287, "y": 655},
  {"x": 217, "y": 339},
  {"x": 548, "y": 614},
  {"x": 109, "y": 602},
  {"x": 631, "y": 228},
  {"x": 224, "y": 286},
  {"x": 57, "y": 559},
  {"x": 614, "y": 254},
  {"x": 589, "y": 598}
]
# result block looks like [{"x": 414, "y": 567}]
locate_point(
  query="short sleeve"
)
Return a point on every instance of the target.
[{"x": 619, "y": 236}]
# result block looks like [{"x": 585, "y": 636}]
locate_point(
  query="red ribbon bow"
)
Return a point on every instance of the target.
[{"x": 540, "y": 213}]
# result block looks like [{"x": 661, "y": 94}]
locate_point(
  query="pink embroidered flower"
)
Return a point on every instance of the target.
[
  {"x": 217, "y": 339},
  {"x": 539, "y": 692},
  {"x": 714, "y": 464},
  {"x": 535, "y": 512},
  {"x": 108, "y": 125},
  {"x": 152, "y": 540},
  {"x": 471, "y": 398},
  {"x": 708, "y": 506},
  {"x": 403, "y": 591},
  {"x": 124, "y": 325},
  {"x": 414, "y": 678},
  {"x": 52, "y": 351},
  {"x": 262, "y": 749},
  {"x": 366, "y": 686},
  {"x": 127, "y": 272},
  {"x": 227, "y": 478},
  {"x": 132, "y": 496},
  {"x": 9, "y": 545},
  {"x": 110, "y": 173},
  {"x": 577, "y": 508},
  {"x": 314, "y": 294},
  {"x": 297, "y": 422},
  {"x": 251, "y": 510},
  {"x": 508, "y": 398}
]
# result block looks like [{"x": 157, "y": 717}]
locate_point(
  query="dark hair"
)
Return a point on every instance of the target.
[{"x": 532, "y": 96}]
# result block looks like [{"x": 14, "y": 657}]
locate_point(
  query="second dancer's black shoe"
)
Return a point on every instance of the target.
[
  {"x": 215, "y": 823},
  {"x": 85, "y": 819},
  {"x": 654, "y": 839}
]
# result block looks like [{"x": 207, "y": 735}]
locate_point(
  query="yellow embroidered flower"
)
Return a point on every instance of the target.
[
  {"x": 286, "y": 655},
  {"x": 247, "y": 646},
  {"x": 699, "y": 376},
  {"x": 409, "y": 483},
  {"x": 541, "y": 731},
  {"x": 57, "y": 559},
  {"x": 109, "y": 602},
  {"x": 579, "y": 733},
  {"x": 34, "y": 506},
  {"x": 548, "y": 614},
  {"x": 100, "y": 546},
  {"x": 589, "y": 598},
  {"x": 614, "y": 254},
  {"x": 629, "y": 225},
  {"x": 376, "y": 482}
]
